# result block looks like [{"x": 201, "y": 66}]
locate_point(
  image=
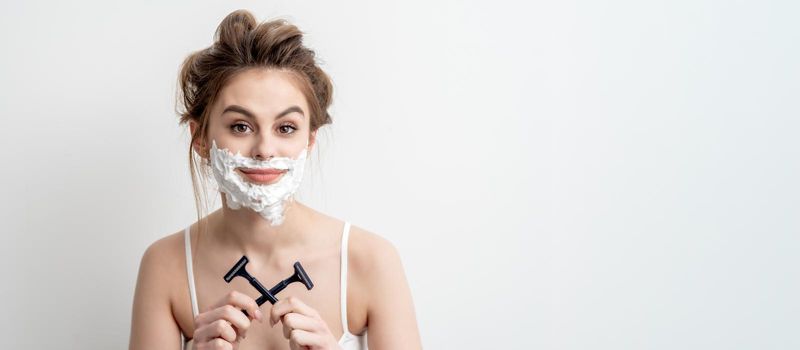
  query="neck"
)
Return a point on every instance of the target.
[{"x": 247, "y": 231}]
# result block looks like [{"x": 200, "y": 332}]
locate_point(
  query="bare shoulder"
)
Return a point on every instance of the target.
[
  {"x": 383, "y": 291},
  {"x": 370, "y": 253},
  {"x": 161, "y": 263},
  {"x": 153, "y": 323},
  {"x": 376, "y": 266},
  {"x": 164, "y": 256}
]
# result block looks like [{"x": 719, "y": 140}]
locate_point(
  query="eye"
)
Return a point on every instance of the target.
[
  {"x": 287, "y": 129},
  {"x": 239, "y": 128}
]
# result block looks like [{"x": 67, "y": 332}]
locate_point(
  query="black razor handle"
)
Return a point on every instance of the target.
[{"x": 239, "y": 269}]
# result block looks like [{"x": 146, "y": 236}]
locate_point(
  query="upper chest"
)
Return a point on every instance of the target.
[{"x": 323, "y": 267}]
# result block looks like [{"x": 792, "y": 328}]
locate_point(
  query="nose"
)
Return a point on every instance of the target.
[{"x": 264, "y": 148}]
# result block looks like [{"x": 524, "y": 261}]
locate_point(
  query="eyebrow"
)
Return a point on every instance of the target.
[{"x": 245, "y": 112}]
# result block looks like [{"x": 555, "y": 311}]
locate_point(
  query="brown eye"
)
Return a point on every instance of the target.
[
  {"x": 286, "y": 129},
  {"x": 239, "y": 128}
]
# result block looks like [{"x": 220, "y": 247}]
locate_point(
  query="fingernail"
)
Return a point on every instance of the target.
[{"x": 259, "y": 316}]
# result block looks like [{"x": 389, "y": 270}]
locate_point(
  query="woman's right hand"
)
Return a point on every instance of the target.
[{"x": 224, "y": 325}]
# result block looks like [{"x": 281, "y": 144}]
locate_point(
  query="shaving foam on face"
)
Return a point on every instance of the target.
[{"x": 269, "y": 200}]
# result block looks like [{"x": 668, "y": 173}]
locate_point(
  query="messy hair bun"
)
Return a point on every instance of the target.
[{"x": 241, "y": 43}]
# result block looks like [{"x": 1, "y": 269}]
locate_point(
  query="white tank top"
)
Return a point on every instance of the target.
[{"x": 348, "y": 341}]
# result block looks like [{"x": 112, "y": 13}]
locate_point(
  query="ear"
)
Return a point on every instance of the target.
[
  {"x": 199, "y": 144},
  {"x": 312, "y": 140}
]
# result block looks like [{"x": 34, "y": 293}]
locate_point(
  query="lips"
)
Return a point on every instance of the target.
[{"x": 262, "y": 175}]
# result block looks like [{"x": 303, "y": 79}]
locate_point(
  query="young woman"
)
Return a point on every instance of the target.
[{"x": 253, "y": 102}]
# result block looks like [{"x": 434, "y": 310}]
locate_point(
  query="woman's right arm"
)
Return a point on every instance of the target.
[{"x": 152, "y": 323}]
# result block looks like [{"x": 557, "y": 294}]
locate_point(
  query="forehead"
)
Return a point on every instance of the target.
[{"x": 265, "y": 92}]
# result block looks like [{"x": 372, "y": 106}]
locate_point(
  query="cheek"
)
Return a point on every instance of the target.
[
  {"x": 213, "y": 133},
  {"x": 223, "y": 139}
]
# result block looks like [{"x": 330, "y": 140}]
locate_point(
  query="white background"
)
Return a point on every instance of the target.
[{"x": 555, "y": 175}]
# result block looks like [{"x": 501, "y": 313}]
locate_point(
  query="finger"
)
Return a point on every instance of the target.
[
  {"x": 242, "y": 301},
  {"x": 217, "y": 329},
  {"x": 306, "y": 338},
  {"x": 290, "y": 304},
  {"x": 228, "y": 313},
  {"x": 293, "y": 320},
  {"x": 220, "y": 344}
]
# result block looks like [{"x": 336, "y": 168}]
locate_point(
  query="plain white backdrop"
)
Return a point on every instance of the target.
[{"x": 555, "y": 175}]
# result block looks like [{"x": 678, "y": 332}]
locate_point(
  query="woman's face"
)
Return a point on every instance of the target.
[{"x": 261, "y": 114}]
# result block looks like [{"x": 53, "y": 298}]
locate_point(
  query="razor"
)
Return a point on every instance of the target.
[{"x": 240, "y": 269}]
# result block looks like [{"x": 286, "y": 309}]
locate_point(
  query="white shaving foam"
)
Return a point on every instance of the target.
[{"x": 269, "y": 200}]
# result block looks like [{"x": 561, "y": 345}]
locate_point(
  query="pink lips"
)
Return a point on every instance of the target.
[{"x": 262, "y": 175}]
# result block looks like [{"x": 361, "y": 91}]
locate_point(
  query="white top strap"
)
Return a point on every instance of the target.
[
  {"x": 189, "y": 272},
  {"x": 343, "y": 274}
]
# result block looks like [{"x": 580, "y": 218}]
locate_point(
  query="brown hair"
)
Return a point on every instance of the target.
[{"x": 240, "y": 43}]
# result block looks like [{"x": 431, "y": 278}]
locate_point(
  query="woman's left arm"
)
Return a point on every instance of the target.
[{"x": 391, "y": 315}]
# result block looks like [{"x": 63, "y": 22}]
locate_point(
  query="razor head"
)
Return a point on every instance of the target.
[
  {"x": 301, "y": 276},
  {"x": 238, "y": 269}
]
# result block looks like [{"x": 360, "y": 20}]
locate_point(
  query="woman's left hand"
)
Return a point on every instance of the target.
[{"x": 302, "y": 325}]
